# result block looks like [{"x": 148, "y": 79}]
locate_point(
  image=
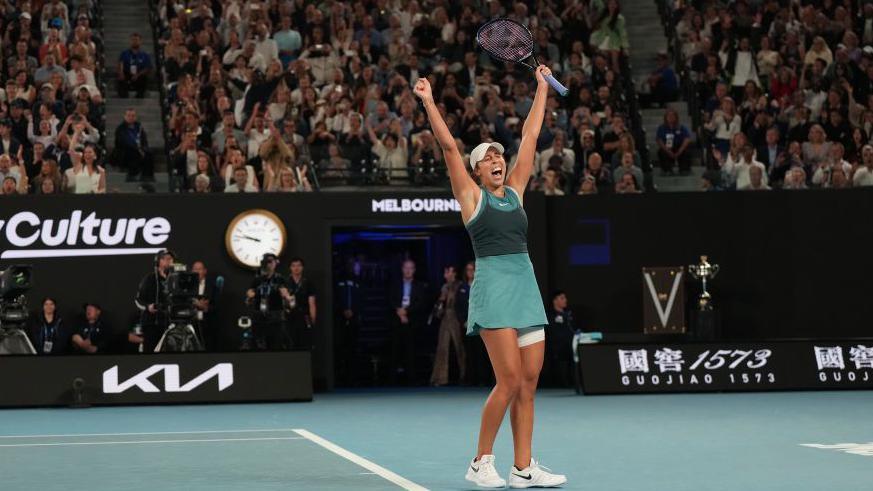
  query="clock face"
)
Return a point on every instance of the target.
[{"x": 252, "y": 234}]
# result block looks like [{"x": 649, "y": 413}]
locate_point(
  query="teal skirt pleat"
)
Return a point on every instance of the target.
[{"x": 504, "y": 293}]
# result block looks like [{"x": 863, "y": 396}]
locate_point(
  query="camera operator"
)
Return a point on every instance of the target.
[
  {"x": 151, "y": 297},
  {"x": 48, "y": 333},
  {"x": 208, "y": 289},
  {"x": 266, "y": 296},
  {"x": 92, "y": 335},
  {"x": 301, "y": 306}
]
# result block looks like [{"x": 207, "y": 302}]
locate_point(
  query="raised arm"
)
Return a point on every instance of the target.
[
  {"x": 530, "y": 132},
  {"x": 463, "y": 187}
]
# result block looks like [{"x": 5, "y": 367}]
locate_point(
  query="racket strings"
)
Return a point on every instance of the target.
[{"x": 507, "y": 40}]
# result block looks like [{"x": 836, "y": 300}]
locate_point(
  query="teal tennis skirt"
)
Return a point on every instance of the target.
[{"x": 504, "y": 293}]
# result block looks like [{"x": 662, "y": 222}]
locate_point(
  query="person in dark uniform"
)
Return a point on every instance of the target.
[
  {"x": 301, "y": 306},
  {"x": 559, "y": 339},
  {"x": 266, "y": 295},
  {"x": 48, "y": 333},
  {"x": 92, "y": 335},
  {"x": 408, "y": 302},
  {"x": 208, "y": 289},
  {"x": 477, "y": 372},
  {"x": 347, "y": 322},
  {"x": 151, "y": 298}
]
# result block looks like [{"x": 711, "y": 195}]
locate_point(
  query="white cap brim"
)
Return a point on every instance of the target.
[{"x": 481, "y": 149}]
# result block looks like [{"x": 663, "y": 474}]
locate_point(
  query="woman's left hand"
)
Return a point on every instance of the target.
[{"x": 541, "y": 72}]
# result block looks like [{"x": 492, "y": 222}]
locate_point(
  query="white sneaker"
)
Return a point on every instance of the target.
[
  {"x": 534, "y": 476},
  {"x": 483, "y": 474}
]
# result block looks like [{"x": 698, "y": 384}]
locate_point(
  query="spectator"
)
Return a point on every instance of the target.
[
  {"x": 627, "y": 167},
  {"x": 725, "y": 123},
  {"x": 566, "y": 156},
  {"x": 48, "y": 172},
  {"x": 662, "y": 83},
  {"x": 201, "y": 184},
  {"x": 240, "y": 182},
  {"x": 602, "y": 177},
  {"x": 610, "y": 33},
  {"x": 47, "y": 68},
  {"x": 134, "y": 67},
  {"x": 9, "y": 187},
  {"x": 91, "y": 335},
  {"x": 9, "y": 145},
  {"x": 132, "y": 148},
  {"x": 864, "y": 174},
  {"x": 9, "y": 170},
  {"x": 822, "y": 175},
  {"x": 757, "y": 180},
  {"x": 740, "y": 173},
  {"x": 205, "y": 172},
  {"x": 627, "y": 184},
  {"x": 770, "y": 153},
  {"x": 588, "y": 186},
  {"x": 85, "y": 176},
  {"x": 288, "y": 40},
  {"x": 816, "y": 150},
  {"x": 79, "y": 75},
  {"x": 795, "y": 179},
  {"x": 551, "y": 183},
  {"x": 235, "y": 161},
  {"x": 392, "y": 153},
  {"x": 673, "y": 141}
]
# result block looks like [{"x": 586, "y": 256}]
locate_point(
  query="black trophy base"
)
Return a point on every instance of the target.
[{"x": 705, "y": 325}]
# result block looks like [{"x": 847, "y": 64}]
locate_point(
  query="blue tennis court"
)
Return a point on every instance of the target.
[{"x": 423, "y": 439}]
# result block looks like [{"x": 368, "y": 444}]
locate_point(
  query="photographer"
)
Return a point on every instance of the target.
[
  {"x": 151, "y": 297},
  {"x": 301, "y": 306},
  {"x": 266, "y": 296},
  {"x": 92, "y": 335}
]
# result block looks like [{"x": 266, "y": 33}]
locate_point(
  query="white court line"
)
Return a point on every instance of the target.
[
  {"x": 139, "y": 442},
  {"x": 278, "y": 430},
  {"x": 357, "y": 459}
]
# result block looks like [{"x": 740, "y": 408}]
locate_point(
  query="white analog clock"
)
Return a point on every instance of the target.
[{"x": 253, "y": 233}]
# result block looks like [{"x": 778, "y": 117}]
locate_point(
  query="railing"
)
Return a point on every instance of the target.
[
  {"x": 175, "y": 181},
  {"x": 368, "y": 172},
  {"x": 635, "y": 121}
]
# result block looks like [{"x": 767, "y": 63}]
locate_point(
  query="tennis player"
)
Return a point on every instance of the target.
[{"x": 505, "y": 304}]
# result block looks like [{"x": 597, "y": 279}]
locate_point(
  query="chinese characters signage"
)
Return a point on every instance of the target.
[{"x": 725, "y": 366}]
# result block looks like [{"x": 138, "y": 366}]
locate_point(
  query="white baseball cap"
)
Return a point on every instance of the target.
[{"x": 479, "y": 152}]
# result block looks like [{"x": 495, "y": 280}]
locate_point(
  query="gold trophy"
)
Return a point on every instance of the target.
[{"x": 703, "y": 272}]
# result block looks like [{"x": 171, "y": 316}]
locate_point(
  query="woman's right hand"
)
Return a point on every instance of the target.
[{"x": 422, "y": 90}]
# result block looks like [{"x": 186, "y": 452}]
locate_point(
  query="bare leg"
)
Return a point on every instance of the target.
[
  {"x": 521, "y": 413},
  {"x": 502, "y": 345}
]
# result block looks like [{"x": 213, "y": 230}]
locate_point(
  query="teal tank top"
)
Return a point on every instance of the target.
[{"x": 499, "y": 225}]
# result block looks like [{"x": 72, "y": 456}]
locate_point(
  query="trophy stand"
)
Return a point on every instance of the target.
[{"x": 704, "y": 319}]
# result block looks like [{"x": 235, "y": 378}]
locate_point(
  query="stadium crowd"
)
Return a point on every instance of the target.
[
  {"x": 782, "y": 91},
  {"x": 289, "y": 96},
  {"x": 51, "y": 101}
]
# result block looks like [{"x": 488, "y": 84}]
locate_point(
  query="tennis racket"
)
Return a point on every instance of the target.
[{"x": 508, "y": 40}]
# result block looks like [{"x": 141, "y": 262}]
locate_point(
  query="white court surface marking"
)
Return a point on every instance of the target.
[
  {"x": 864, "y": 449},
  {"x": 371, "y": 467}
]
